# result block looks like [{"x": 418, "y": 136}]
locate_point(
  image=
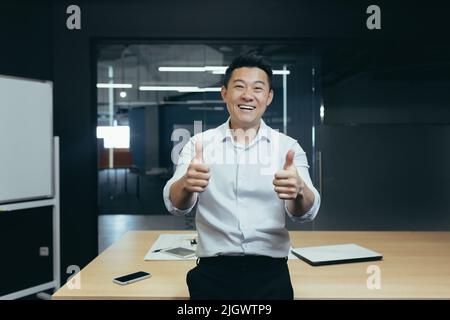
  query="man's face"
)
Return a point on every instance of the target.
[{"x": 247, "y": 97}]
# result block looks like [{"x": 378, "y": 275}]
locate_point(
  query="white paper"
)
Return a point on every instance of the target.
[{"x": 168, "y": 241}]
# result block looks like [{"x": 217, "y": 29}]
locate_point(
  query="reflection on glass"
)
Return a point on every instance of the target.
[{"x": 114, "y": 137}]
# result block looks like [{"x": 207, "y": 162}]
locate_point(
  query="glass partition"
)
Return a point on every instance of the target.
[{"x": 146, "y": 91}]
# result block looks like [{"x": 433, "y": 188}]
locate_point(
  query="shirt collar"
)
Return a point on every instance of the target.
[{"x": 263, "y": 131}]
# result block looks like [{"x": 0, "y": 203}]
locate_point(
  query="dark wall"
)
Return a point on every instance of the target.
[
  {"x": 64, "y": 56},
  {"x": 385, "y": 138},
  {"x": 395, "y": 82},
  {"x": 385, "y": 177},
  {"x": 75, "y": 123},
  {"x": 25, "y": 35}
]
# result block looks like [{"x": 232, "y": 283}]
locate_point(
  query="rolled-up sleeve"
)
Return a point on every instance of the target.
[
  {"x": 301, "y": 163},
  {"x": 184, "y": 159}
]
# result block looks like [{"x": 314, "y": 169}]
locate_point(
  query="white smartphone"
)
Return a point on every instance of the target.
[{"x": 132, "y": 277}]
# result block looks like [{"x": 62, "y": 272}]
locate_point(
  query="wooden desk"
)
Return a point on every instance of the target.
[{"x": 415, "y": 265}]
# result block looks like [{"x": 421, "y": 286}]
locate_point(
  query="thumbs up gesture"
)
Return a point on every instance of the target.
[
  {"x": 197, "y": 175},
  {"x": 287, "y": 182}
]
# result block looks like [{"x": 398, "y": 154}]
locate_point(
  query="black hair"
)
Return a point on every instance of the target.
[{"x": 250, "y": 59}]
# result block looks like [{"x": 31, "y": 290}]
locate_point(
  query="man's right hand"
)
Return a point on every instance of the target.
[{"x": 197, "y": 176}]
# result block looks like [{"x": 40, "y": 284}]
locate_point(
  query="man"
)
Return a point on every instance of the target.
[{"x": 244, "y": 176}]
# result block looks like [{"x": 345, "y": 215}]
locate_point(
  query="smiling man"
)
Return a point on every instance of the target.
[{"x": 245, "y": 178}]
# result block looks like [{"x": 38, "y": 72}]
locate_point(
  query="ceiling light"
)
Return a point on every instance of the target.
[
  {"x": 212, "y": 89},
  {"x": 166, "y": 88},
  {"x": 179, "y": 89},
  {"x": 181, "y": 69},
  {"x": 187, "y": 89},
  {"x": 281, "y": 72},
  {"x": 115, "y": 85},
  {"x": 216, "y": 68},
  {"x": 212, "y": 69}
]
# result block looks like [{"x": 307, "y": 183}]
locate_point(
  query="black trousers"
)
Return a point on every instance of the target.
[{"x": 240, "y": 278}]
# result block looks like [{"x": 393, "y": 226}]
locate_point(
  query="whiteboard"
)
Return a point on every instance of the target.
[{"x": 26, "y": 139}]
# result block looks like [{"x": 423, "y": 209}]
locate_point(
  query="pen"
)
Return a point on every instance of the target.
[{"x": 158, "y": 250}]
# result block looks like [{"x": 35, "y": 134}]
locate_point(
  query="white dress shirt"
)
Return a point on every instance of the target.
[{"x": 239, "y": 212}]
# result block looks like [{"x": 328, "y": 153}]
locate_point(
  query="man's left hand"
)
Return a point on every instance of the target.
[{"x": 287, "y": 182}]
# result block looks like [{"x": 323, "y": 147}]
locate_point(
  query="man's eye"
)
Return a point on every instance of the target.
[
  {"x": 238, "y": 86},
  {"x": 258, "y": 89}
]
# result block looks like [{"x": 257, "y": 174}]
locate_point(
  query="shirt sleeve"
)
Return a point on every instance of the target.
[
  {"x": 301, "y": 163},
  {"x": 184, "y": 159}
]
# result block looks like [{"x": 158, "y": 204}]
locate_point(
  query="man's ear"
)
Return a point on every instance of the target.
[
  {"x": 223, "y": 93},
  {"x": 269, "y": 99}
]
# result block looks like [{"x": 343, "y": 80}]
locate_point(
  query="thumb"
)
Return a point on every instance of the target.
[
  {"x": 289, "y": 159},
  {"x": 198, "y": 152}
]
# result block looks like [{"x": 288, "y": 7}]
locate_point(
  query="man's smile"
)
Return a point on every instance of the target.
[{"x": 246, "y": 107}]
